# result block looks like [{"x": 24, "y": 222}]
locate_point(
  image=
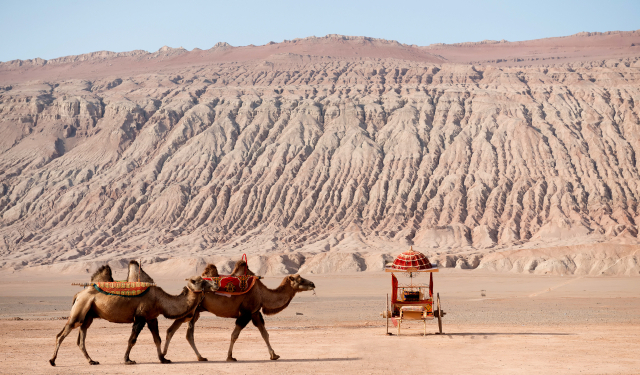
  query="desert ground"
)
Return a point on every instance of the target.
[{"x": 524, "y": 324}]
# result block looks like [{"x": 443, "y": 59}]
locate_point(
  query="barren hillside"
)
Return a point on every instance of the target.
[{"x": 326, "y": 154}]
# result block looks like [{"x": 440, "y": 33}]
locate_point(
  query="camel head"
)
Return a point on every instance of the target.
[
  {"x": 197, "y": 284},
  {"x": 300, "y": 284}
]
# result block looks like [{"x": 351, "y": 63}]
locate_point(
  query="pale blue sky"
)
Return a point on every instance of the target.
[{"x": 54, "y": 28}]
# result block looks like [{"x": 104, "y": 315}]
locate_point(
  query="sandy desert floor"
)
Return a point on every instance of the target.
[{"x": 523, "y": 325}]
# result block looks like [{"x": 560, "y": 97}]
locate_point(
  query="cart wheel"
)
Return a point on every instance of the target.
[{"x": 439, "y": 315}]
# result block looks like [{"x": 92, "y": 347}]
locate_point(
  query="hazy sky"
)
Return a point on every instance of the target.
[{"x": 50, "y": 29}]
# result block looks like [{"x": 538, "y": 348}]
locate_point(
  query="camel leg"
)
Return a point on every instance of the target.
[
  {"x": 171, "y": 331},
  {"x": 241, "y": 322},
  {"x": 59, "y": 338},
  {"x": 153, "y": 327},
  {"x": 190, "y": 330},
  {"x": 138, "y": 325},
  {"x": 78, "y": 313},
  {"x": 258, "y": 321},
  {"x": 83, "y": 335}
]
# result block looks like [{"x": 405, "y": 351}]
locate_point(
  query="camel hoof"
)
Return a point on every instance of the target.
[
  {"x": 230, "y": 359},
  {"x": 94, "y": 363},
  {"x": 129, "y": 362},
  {"x": 202, "y": 359},
  {"x": 164, "y": 360},
  {"x": 274, "y": 357},
  {"x": 52, "y": 362}
]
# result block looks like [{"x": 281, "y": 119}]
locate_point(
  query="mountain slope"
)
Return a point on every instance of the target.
[{"x": 291, "y": 155}]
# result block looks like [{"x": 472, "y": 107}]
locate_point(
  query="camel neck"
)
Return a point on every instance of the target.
[
  {"x": 276, "y": 300},
  {"x": 174, "y": 307}
]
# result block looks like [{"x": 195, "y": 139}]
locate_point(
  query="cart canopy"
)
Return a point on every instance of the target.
[{"x": 411, "y": 261}]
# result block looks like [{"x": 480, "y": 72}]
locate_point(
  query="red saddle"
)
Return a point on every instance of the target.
[{"x": 233, "y": 285}]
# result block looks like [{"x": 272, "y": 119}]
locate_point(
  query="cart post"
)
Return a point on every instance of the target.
[{"x": 386, "y": 313}]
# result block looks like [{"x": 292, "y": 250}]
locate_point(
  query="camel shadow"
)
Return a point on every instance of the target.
[
  {"x": 485, "y": 334},
  {"x": 508, "y": 334},
  {"x": 279, "y": 360}
]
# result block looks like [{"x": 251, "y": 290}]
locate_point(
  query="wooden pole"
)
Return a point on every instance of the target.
[
  {"x": 139, "y": 268},
  {"x": 387, "y": 313}
]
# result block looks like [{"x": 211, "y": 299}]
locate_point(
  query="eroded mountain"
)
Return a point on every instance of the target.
[{"x": 294, "y": 158}]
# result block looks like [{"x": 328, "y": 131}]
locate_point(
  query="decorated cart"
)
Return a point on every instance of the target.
[{"x": 413, "y": 300}]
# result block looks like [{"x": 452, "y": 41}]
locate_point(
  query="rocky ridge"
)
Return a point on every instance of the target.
[{"x": 324, "y": 165}]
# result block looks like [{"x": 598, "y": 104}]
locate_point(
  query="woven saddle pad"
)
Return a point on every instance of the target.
[{"x": 123, "y": 288}]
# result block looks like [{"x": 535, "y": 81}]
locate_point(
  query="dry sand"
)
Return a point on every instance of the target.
[{"x": 524, "y": 324}]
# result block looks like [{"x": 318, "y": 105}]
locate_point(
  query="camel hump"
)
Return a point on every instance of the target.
[
  {"x": 134, "y": 270},
  {"x": 103, "y": 274},
  {"x": 210, "y": 271},
  {"x": 242, "y": 268}
]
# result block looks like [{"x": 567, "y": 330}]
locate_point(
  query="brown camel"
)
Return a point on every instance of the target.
[
  {"x": 244, "y": 307},
  {"x": 141, "y": 310}
]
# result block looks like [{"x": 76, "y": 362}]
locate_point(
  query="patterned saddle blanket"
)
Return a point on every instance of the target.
[
  {"x": 123, "y": 288},
  {"x": 233, "y": 285}
]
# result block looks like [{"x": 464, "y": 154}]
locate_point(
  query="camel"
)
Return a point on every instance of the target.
[
  {"x": 104, "y": 274},
  {"x": 244, "y": 307},
  {"x": 141, "y": 310}
]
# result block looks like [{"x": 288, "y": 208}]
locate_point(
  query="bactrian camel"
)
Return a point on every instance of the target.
[
  {"x": 244, "y": 307},
  {"x": 90, "y": 304}
]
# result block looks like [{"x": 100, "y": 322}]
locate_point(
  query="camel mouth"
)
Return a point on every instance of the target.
[{"x": 211, "y": 287}]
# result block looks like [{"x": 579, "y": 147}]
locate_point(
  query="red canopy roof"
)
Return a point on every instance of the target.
[{"x": 411, "y": 261}]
